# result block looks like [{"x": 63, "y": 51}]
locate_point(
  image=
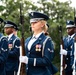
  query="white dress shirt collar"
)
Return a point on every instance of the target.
[
  {"x": 71, "y": 36},
  {"x": 9, "y": 36},
  {"x": 36, "y": 36}
]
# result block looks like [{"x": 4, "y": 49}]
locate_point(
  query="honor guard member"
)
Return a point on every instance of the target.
[
  {"x": 38, "y": 55},
  {"x": 3, "y": 52},
  {"x": 1, "y": 21},
  {"x": 13, "y": 45},
  {"x": 68, "y": 50}
]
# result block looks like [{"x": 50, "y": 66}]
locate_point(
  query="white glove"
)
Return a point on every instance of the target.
[
  {"x": 63, "y": 52},
  {"x": 23, "y": 59}
]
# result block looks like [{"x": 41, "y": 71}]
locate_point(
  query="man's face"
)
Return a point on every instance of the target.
[
  {"x": 70, "y": 30},
  {"x": 8, "y": 30}
]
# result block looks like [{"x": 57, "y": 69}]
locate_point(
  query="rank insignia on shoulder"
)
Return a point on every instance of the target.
[
  {"x": 38, "y": 47},
  {"x": 10, "y": 46},
  {"x": 50, "y": 50},
  {"x": 3, "y": 49},
  {"x": 17, "y": 46}
]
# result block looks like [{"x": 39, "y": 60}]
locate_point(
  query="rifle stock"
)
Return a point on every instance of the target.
[
  {"x": 62, "y": 63},
  {"x": 22, "y": 66}
]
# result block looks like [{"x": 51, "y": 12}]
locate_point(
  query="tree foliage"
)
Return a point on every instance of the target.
[{"x": 59, "y": 13}]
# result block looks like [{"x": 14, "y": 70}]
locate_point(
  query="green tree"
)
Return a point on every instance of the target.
[{"x": 58, "y": 12}]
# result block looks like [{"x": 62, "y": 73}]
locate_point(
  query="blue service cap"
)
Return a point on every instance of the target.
[
  {"x": 36, "y": 16},
  {"x": 1, "y": 20},
  {"x": 10, "y": 24},
  {"x": 70, "y": 24}
]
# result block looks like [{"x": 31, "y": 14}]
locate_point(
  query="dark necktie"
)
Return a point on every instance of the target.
[
  {"x": 69, "y": 38},
  {"x": 7, "y": 37},
  {"x": 34, "y": 37}
]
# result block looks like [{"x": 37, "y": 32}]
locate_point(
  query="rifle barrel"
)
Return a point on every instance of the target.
[
  {"x": 22, "y": 66},
  {"x": 62, "y": 64}
]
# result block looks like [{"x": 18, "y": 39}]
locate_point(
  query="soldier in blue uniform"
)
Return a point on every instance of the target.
[
  {"x": 14, "y": 47},
  {"x": 38, "y": 55},
  {"x": 68, "y": 50},
  {"x": 3, "y": 52}
]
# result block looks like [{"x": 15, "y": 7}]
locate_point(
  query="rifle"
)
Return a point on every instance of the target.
[
  {"x": 22, "y": 66},
  {"x": 62, "y": 63},
  {"x": 74, "y": 45}
]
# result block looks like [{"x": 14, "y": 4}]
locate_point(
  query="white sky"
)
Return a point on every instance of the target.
[{"x": 73, "y": 2}]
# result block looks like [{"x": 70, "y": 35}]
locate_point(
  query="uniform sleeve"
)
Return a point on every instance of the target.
[
  {"x": 15, "y": 52},
  {"x": 3, "y": 50},
  {"x": 47, "y": 57}
]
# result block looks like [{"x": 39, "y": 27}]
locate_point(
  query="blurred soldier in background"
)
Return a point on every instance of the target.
[
  {"x": 3, "y": 52},
  {"x": 68, "y": 50},
  {"x": 15, "y": 31},
  {"x": 1, "y": 25},
  {"x": 14, "y": 47}
]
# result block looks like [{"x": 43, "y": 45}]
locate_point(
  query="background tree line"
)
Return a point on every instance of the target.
[{"x": 59, "y": 13}]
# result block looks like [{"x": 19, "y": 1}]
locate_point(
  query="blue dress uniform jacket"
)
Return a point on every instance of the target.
[
  {"x": 69, "y": 59},
  {"x": 3, "y": 53},
  {"x": 13, "y": 56},
  {"x": 38, "y": 63}
]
